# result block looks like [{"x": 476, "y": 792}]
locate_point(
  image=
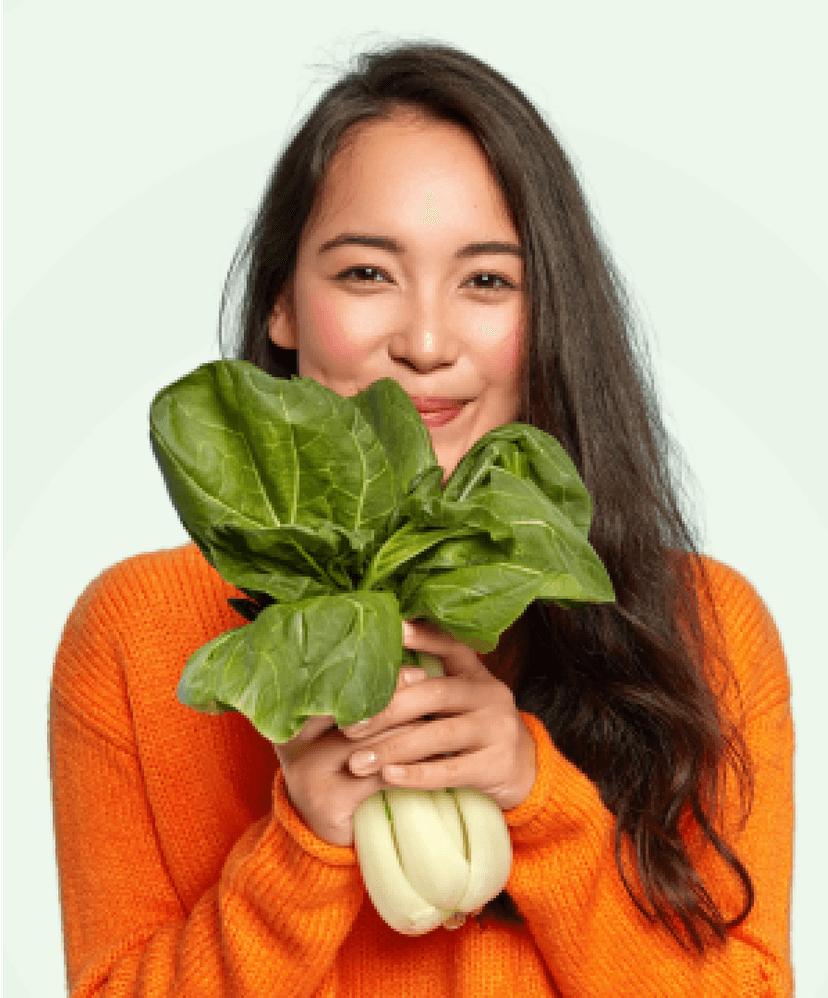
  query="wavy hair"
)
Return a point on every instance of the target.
[{"x": 621, "y": 688}]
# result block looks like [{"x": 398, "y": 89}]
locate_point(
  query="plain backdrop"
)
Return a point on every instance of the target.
[{"x": 137, "y": 141}]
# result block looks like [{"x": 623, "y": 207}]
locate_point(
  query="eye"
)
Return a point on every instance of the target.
[
  {"x": 373, "y": 274},
  {"x": 490, "y": 279}
]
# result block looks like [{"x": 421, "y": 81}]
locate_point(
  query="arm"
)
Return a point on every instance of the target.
[
  {"x": 565, "y": 882},
  {"x": 272, "y": 923}
]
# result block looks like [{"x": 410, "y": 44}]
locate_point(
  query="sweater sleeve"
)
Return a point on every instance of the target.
[
  {"x": 272, "y": 923},
  {"x": 592, "y": 937}
]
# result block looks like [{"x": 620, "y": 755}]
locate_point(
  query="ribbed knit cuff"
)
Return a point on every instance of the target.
[
  {"x": 307, "y": 840},
  {"x": 562, "y": 794}
]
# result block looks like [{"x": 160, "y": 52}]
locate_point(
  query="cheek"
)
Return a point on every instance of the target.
[
  {"x": 331, "y": 334},
  {"x": 335, "y": 342},
  {"x": 502, "y": 349}
]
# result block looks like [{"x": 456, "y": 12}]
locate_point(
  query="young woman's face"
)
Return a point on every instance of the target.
[{"x": 392, "y": 281}]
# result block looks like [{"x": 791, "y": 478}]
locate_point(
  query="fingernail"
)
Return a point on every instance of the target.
[
  {"x": 414, "y": 675},
  {"x": 363, "y": 760},
  {"x": 408, "y": 631}
]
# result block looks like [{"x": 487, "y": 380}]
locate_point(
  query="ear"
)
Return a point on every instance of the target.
[{"x": 281, "y": 326}]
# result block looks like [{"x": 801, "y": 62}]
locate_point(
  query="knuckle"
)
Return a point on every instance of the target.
[
  {"x": 389, "y": 712},
  {"x": 451, "y": 766},
  {"x": 384, "y": 751},
  {"x": 461, "y": 730},
  {"x": 439, "y": 690},
  {"x": 414, "y": 773},
  {"x": 510, "y": 739},
  {"x": 502, "y": 705},
  {"x": 389, "y": 738},
  {"x": 511, "y": 727}
]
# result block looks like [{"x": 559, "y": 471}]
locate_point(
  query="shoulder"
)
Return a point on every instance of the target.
[
  {"x": 157, "y": 581},
  {"x": 744, "y": 613},
  {"x": 134, "y": 624},
  {"x": 181, "y": 564},
  {"x": 752, "y": 642}
]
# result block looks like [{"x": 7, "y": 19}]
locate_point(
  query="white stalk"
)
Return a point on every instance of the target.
[
  {"x": 447, "y": 809},
  {"x": 490, "y": 848},
  {"x": 444, "y": 852},
  {"x": 485, "y": 837},
  {"x": 435, "y": 867},
  {"x": 396, "y": 901}
]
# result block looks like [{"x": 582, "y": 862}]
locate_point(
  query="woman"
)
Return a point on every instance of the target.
[{"x": 424, "y": 224}]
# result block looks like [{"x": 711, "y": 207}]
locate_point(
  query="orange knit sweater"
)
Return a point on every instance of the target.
[{"x": 184, "y": 869}]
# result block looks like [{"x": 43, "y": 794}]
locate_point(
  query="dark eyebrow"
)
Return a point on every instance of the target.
[{"x": 392, "y": 246}]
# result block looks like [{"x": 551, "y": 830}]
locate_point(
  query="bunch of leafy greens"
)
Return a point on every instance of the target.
[{"x": 329, "y": 514}]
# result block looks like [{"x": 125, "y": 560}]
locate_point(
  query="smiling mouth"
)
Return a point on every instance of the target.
[
  {"x": 439, "y": 417},
  {"x": 434, "y": 404}
]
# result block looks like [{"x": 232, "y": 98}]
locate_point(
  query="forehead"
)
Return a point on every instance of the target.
[{"x": 411, "y": 163}]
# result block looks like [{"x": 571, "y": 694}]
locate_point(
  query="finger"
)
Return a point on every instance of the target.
[
  {"x": 458, "y": 659},
  {"x": 468, "y": 770},
  {"x": 408, "y": 676},
  {"x": 331, "y": 750},
  {"x": 382, "y": 736},
  {"x": 414, "y": 742},
  {"x": 446, "y": 695}
]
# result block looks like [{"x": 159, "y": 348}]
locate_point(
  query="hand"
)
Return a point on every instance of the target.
[
  {"x": 319, "y": 784},
  {"x": 478, "y": 728}
]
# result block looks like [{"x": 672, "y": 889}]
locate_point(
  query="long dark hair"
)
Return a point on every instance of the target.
[{"x": 621, "y": 688}]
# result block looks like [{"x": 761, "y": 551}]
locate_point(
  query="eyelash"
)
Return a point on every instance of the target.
[{"x": 344, "y": 276}]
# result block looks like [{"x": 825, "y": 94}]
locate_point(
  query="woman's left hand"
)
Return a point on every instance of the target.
[{"x": 490, "y": 747}]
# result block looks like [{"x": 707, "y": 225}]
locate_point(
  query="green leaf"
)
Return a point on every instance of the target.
[
  {"x": 474, "y": 604},
  {"x": 475, "y": 587},
  {"x": 545, "y": 539},
  {"x": 400, "y": 429},
  {"x": 404, "y": 548},
  {"x": 287, "y": 562},
  {"x": 331, "y": 655},
  {"x": 242, "y": 452},
  {"x": 529, "y": 454},
  {"x": 329, "y": 513}
]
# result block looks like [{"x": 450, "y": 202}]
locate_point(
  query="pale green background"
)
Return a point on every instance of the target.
[{"x": 137, "y": 139}]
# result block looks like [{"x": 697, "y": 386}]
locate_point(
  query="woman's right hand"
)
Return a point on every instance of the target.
[{"x": 321, "y": 787}]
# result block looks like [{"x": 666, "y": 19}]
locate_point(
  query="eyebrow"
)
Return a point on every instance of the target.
[{"x": 392, "y": 246}]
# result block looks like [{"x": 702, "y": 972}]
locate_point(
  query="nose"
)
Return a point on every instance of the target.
[{"x": 425, "y": 342}]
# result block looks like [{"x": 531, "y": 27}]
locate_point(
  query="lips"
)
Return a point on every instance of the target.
[
  {"x": 434, "y": 404},
  {"x": 437, "y": 411}
]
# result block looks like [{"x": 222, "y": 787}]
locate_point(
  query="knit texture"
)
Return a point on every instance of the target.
[{"x": 184, "y": 869}]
